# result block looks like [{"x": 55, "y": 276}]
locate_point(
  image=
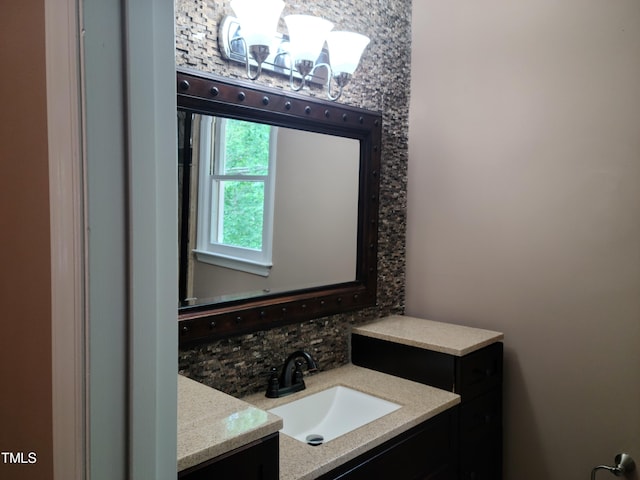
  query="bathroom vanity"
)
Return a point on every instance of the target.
[
  {"x": 459, "y": 359},
  {"x": 446, "y": 378},
  {"x": 427, "y": 420}
]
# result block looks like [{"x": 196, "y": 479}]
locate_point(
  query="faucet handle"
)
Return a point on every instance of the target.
[
  {"x": 297, "y": 374},
  {"x": 273, "y": 386}
]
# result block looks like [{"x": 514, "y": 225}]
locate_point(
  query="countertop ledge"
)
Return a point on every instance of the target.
[
  {"x": 211, "y": 423},
  {"x": 299, "y": 461},
  {"x": 442, "y": 337}
]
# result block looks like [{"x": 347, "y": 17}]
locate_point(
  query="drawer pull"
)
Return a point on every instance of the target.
[{"x": 489, "y": 372}]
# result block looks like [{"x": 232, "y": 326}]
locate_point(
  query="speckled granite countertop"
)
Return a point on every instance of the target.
[
  {"x": 211, "y": 423},
  {"x": 299, "y": 461},
  {"x": 440, "y": 337}
]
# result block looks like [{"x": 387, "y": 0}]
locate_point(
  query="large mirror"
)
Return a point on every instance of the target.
[{"x": 277, "y": 207}]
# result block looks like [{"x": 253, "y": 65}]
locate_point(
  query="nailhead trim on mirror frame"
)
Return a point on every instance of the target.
[{"x": 207, "y": 93}]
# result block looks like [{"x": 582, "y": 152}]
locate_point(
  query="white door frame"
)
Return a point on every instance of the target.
[
  {"x": 66, "y": 200},
  {"x": 86, "y": 428}
]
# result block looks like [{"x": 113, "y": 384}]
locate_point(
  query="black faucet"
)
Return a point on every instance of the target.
[{"x": 291, "y": 379}]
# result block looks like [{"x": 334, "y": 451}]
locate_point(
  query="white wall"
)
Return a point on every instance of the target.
[{"x": 524, "y": 212}]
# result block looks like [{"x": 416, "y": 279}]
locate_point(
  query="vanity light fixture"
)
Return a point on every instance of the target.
[
  {"x": 307, "y": 35},
  {"x": 346, "y": 49},
  {"x": 259, "y": 20},
  {"x": 251, "y": 38}
]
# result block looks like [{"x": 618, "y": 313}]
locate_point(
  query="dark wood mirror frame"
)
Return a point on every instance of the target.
[{"x": 209, "y": 94}]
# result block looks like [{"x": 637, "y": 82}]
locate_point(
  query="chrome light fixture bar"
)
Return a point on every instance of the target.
[
  {"x": 233, "y": 47},
  {"x": 251, "y": 39}
]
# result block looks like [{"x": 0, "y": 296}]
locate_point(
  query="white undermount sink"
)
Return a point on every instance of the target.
[{"x": 323, "y": 416}]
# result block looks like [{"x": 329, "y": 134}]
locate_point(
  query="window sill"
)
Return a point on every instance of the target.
[{"x": 234, "y": 263}]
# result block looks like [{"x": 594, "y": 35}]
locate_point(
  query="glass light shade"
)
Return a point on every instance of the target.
[
  {"x": 345, "y": 50},
  {"x": 258, "y": 19},
  {"x": 307, "y": 35}
]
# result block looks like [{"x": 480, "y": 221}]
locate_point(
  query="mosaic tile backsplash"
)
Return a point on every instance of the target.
[{"x": 240, "y": 365}]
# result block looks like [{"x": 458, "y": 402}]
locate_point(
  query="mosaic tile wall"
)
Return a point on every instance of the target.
[{"x": 240, "y": 365}]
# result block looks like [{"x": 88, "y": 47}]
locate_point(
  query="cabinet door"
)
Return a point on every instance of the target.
[
  {"x": 481, "y": 438},
  {"x": 426, "y": 452},
  {"x": 256, "y": 461}
]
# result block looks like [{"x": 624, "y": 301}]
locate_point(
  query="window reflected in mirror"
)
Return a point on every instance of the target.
[{"x": 235, "y": 163}]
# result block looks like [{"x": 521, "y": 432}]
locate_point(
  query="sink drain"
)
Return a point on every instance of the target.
[{"x": 314, "y": 439}]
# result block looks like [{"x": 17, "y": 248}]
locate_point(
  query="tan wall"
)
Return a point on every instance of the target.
[
  {"x": 524, "y": 212},
  {"x": 25, "y": 352}
]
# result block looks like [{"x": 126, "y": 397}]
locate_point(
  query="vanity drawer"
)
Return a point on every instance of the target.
[
  {"x": 480, "y": 416},
  {"x": 469, "y": 376},
  {"x": 479, "y": 371},
  {"x": 404, "y": 361}
]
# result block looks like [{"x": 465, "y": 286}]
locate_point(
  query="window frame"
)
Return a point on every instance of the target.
[{"x": 257, "y": 262}]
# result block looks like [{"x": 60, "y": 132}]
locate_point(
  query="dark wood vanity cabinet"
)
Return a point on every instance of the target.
[
  {"x": 425, "y": 452},
  {"x": 476, "y": 377},
  {"x": 258, "y": 460}
]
